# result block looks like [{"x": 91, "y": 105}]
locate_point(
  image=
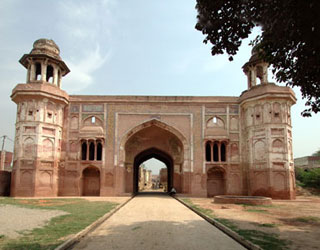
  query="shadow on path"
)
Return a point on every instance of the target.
[
  {"x": 152, "y": 193},
  {"x": 158, "y": 235}
]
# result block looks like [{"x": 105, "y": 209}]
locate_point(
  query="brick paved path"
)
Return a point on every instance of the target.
[{"x": 156, "y": 222}]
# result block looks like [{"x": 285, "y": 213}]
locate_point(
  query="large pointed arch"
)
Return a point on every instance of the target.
[{"x": 149, "y": 123}]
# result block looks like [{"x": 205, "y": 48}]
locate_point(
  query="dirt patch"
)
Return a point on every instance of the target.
[
  {"x": 15, "y": 220},
  {"x": 297, "y": 221}
]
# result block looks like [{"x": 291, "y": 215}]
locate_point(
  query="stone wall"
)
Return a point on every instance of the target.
[{"x": 307, "y": 162}]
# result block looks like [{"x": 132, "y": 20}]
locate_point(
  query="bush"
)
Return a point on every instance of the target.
[{"x": 309, "y": 177}]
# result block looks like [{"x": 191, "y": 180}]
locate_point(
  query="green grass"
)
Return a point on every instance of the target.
[
  {"x": 81, "y": 213},
  {"x": 207, "y": 212},
  {"x": 271, "y": 225},
  {"x": 267, "y": 241},
  {"x": 307, "y": 219},
  {"x": 257, "y": 210}
]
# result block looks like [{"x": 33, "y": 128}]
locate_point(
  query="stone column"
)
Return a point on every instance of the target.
[
  {"x": 88, "y": 146},
  {"x": 43, "y": 72},
  {"x": 59, "y": 80},
  {"x": 95, "y": 150},
  {"x": 249, "y": 79},
  {"x": 253, "y": 76},
  {"x": 28, "y": 74},
  {"x": 33, "y": 72},
  {"x": 55, "y": 75},
  {"x": 264, "y": 74}
]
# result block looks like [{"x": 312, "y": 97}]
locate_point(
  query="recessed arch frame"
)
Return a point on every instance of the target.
[{"x": 120, "y": 160}]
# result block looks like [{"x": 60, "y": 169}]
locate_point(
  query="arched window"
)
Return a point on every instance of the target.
[
  {"x": 49, "y": 74},
  {"x": 214, "y": 119},
  {"x": 38, "y": 72},
  {"x": 208, "y": 151},
  {"x": 223, "y": 152},
  {"x": 91, "y": 151},
  {"x": 99, "y": 151},
  {"x": 215, "y": 152},
  {"x": 84, "y": 151}
]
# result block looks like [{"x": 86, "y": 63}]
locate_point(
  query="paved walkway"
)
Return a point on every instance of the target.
[{"x": 155, "y": 222}]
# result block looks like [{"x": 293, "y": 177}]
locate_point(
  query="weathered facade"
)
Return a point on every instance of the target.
[
  {"x": 5, "y": 160},
  {"x": 93, "y": 145}
]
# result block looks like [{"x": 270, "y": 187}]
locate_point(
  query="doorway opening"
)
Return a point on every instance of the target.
[
  {"x": 153, "y": 171},
  {"x": 153, "y": 176}
]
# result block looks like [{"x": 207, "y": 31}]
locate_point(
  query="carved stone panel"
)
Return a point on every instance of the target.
[
  {"x": 92, "y": 108},
  {"x": 259, "y": 150},
  {"x": 45, "y": 179},
  {"x": 279, "y": 182},
  {"x": 26, "y": 178}
]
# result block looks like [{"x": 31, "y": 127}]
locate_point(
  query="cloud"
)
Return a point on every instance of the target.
[
  {"x": 86, "y": 20},
  {"x": 215, "y": 63},
  {"x": 82, "y": 71},
  {"x": 85, "y": 24}
]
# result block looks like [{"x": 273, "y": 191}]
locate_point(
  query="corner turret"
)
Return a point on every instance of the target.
[
  {"x": 255, "y": 69},
  {"x": 39, "y": 123},
  {"x": 44, "y": 63},
  {"x": 266, "y": 133}
]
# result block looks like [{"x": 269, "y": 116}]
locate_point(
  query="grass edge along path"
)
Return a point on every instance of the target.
[
  {"x": 266, "y": 241},
  {"x": 81, "y": 213}
]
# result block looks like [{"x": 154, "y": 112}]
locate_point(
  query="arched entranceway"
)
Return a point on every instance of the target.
[
  {"x": 146, "y": 155},
  {"x": 153, "y": 139},
  {"x": 91, "y": 181},
  {"x": 215, "y": 181}
]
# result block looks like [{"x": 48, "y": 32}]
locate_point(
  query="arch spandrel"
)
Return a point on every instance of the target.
[{"x": 185, "y": 148}]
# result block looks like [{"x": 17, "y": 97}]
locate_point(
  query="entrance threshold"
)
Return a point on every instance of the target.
[{"x": 152, "y": 193}]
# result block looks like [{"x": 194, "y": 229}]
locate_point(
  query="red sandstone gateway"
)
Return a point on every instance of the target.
[{"x": 93, "y": 145}]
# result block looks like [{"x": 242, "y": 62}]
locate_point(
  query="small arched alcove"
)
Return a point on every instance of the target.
[
  {"x": 215, "y": 181},
  {"x": 91, "y": 181}
]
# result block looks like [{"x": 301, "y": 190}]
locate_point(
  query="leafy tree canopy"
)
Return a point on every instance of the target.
[{"x": 290, "y": 38}]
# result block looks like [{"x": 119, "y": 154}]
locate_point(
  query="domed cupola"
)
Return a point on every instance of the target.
[
  {"x": 44, "y": 63},
  {"x": 256, "y": 68}
]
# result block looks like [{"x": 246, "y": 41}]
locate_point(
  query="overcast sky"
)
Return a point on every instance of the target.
[{"x": 127, "y": 47}]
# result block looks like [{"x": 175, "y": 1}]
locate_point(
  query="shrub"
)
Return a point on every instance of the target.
[{"x": 309, "y": 177}]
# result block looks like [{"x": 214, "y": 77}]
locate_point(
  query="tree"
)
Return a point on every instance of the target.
[
  {"x": 289, "y": 40},
  {"x": 317, "y": 153}
]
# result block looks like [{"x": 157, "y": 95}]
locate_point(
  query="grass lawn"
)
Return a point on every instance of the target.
[
  {"x": 267, "y": 241},
  {"x": 81, "y": 213}
]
